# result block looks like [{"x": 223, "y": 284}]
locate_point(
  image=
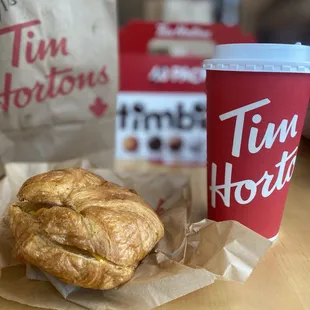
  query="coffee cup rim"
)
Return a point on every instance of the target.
[{"x": 255, "y": 57}]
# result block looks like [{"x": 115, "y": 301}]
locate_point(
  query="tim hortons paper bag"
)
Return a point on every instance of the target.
[{"x": 58, "y": 79}]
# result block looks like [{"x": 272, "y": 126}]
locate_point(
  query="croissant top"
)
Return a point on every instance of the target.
[{"x": 83, "y": 229}]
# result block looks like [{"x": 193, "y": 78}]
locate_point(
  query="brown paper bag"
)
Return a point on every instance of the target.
[
  {"x": 189, "y": 257},
  {"x": 58, "y": 79}
]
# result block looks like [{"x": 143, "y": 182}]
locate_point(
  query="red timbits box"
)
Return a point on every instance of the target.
[{"x": 162, "y": 103}]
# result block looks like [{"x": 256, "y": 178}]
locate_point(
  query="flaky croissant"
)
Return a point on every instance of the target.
[{"x": 82, "y": 229}]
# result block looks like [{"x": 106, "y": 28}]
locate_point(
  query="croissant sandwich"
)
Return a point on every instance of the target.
[{"x": 83, "y": 229}]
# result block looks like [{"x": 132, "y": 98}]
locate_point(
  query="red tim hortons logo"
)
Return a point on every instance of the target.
[
  {"x": 269, "y": 182},
  {"x": 28, "y": 48}
]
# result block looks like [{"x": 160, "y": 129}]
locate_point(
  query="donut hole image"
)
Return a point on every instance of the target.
[
  {"x": 131, "y": 144},
  {"x": 155, "y": 144},
  {"x": 175, "y": 144}
]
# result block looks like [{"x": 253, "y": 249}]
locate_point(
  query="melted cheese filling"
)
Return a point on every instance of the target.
[
  {"x": 38, "y": 212},
  {"x": 98, "y": 258}
]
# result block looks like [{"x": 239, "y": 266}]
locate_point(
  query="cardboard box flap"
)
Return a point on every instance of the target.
[{"x": 135, "y": 36}]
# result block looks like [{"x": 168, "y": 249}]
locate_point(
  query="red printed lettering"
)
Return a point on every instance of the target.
[
  {"x": 86, "y": 80},
  {"x": 51, "y": 91},
  {"x": 58, "y": 82},
  {"x": 17, "y": 32},
  {"x": 45, "y": 49},
  {"x": 66, "y": 85},
  {"x": 39, "y": 89},
  {"x": 20, "y": 95},
  {"x": 6, "y": 94},
  {"x": 103, "y": 77}
]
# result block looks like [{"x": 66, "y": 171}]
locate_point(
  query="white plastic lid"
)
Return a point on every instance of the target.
[{"x": 254, "y": 57}]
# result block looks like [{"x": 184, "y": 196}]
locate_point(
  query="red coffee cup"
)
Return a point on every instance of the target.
[{"x": 258, "y": 96}]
